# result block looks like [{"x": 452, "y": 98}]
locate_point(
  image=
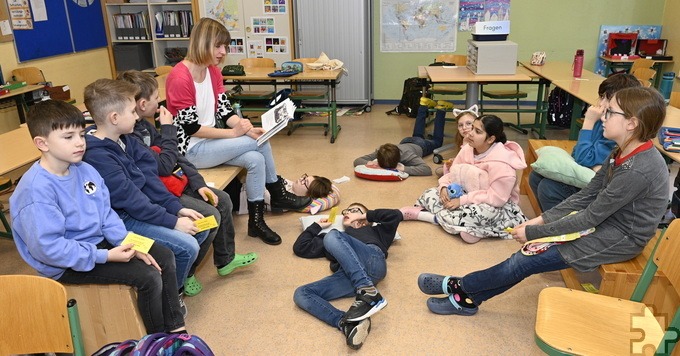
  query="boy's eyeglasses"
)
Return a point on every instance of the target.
[
  {"x": 303, "y": 180},
  {"x": 464, "y": 125},
  {"x": 352, "y": 210},
  {"x": 608, "y": 113}
]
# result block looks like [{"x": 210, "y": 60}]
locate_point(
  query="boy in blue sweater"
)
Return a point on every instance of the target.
[
  {"x": 64, "y": 226},
  {"x": 196, "y": 194},
  {"x": 130, "y": 171},
  {"x": 591, "y": 149}
]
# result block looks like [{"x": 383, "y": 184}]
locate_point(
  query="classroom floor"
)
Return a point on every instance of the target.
[{"x": 251, "y": 311}]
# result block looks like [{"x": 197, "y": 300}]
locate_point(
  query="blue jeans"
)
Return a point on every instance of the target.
[
  {"x": 361, "y": 265},
  {"x": 418, "y": 136},
  {"x": 184, "y": 246},
  {"x": 549, "y": 192},
  {"x": 156, "y": 294},
  {"x": 488, "y": 283},
  {"x": 241, "y": 152}
]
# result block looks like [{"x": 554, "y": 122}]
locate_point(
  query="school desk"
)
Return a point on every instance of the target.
[
  {"x": 672, "y": 120},
  {"x": 460, "y": 74},
  {"x": 18, "y": 96},
  {"x": 583, "y": 89},
  {"x": 328, "y": 78},
  {"x": 611, "y": 64}
]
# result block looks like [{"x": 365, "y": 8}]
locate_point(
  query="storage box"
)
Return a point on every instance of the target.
[
  {"x": 492, "y": 57},
  {"x": 133, "y": 56},
  {"x": 651, "y": 47},
  {"x": 621, "y": 44},
  {"x": 59, "y": 92}
]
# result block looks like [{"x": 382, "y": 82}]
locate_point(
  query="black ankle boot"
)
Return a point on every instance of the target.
[
  {"x": 281, "y": 199},
  {"x": 256, "y": 225}
]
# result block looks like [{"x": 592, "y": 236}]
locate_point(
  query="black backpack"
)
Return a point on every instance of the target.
[
  {"x": 560, "y": 107},
  {"x": 410, "y": 97}
]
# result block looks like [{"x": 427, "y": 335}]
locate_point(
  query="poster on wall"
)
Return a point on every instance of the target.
[
  {"x": 263, "y": 25},
  {"x": 473, "y": 11},
  {"x": 418, "y": 25},
  {"x": 20, "y": 14},
  {"x": 276, "y": 44},
  {"x": 224, "y": 11},
  {"x": 643, "y": 32},
  {"x": 255, "y": 49},
  {"x": 276, "y": 6},
  {"x": 237, "y": 46}
]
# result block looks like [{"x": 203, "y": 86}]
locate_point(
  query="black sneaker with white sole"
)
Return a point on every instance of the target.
[
  {"x": 364, "y": 306},
  {"x": 182, "y": 306},
  {"x": 356, "y": 333}
]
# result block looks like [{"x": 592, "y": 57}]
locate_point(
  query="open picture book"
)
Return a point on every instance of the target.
[{"x": 275, "y": 119}]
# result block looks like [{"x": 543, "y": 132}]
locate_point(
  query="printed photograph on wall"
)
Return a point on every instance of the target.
[
  {"x": 473, "y": 11},
  {"x": 237, "y": 45},
  {"x": 276, "y": 44},
  {"x": 255, "y": 48},
  {"x": 275, "y": 7},
  {"x": 263, "y": 25},
  {"x": 418, "y": 26}
]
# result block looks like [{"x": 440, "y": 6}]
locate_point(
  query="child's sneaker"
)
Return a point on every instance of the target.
[
  {"x": 444, "y": 105},
  {"x": 356, "y": 333},
  {"x": 364, "y": 306},
  {"x": 425, "y": 101},
  {"x": 182, "y": 306}
]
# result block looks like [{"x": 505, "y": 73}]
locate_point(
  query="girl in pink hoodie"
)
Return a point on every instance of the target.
[{"x": 486, "y": 168}]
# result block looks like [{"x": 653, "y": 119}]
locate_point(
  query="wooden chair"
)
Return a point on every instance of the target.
[
  {"x": 37, "y": 318},
  {"x": 447, "y": 89},
  {"x": 250, "y": 95},
  {"x": 30, "y": 75},
  {"x": 645, "y": 76},
  {"x": 641, "y": 63},
  {"x": 582, "y": 323},
  {"x": 675, "y": 99},
  {"x": 163, "y": 70}
]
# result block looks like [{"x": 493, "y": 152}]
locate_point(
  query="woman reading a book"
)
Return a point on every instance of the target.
[
  {"x": 624, "y": 202},
  {"x": 210, "y": 133}
]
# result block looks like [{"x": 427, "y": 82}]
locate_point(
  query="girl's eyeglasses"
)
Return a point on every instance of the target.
[
  {"x": 608, "y": 113},
  {"x": 464, "y": 125},
  {"x": 352, "y": 210}
]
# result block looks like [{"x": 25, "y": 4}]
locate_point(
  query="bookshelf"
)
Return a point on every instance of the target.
[{"x": 135, "y": 41}]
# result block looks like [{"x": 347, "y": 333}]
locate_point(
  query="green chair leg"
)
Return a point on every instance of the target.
[
  {"x": 8, "y": 229},
  {"x": 76, "y": 332}
]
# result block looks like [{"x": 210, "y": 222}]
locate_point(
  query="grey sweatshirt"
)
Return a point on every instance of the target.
[
  {"x": 411, "y": 158},
  {"x": 625, "y": 210}
]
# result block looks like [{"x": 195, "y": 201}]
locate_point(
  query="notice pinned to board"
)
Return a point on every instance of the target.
[
  {"x": 20, "y": 14},
  {"x": 5, "y": 26}
]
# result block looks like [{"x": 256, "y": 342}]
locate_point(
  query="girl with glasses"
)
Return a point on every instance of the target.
[
  {"x": 623, "y": 202},
  {"x": 486, "y": 167},
  {"x": 357, "y": 258}
]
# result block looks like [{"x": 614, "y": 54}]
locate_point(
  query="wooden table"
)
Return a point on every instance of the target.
[
  {"x": 583, "y": 89},
  {"x": 611, "y": 64},
  {"x": 18, "y": 96},
  {"x": 672, "y": 120},
  {"x": 459, "y": 74},
  {"x": 328, "y": 78}
]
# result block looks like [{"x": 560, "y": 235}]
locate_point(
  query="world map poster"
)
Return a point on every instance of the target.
[{"x": 418, "y": 25}]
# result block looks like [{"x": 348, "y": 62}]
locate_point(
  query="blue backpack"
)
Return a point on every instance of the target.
[{"x": 158, "y": 344}]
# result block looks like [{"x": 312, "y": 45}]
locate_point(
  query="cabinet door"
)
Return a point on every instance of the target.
[{"x": 259, "y": 28}]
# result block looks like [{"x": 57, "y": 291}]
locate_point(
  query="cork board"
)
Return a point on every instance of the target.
[{"x": 5, "y": 23}]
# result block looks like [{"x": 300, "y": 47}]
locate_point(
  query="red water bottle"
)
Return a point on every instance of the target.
[{"x": 578, "y": 63}]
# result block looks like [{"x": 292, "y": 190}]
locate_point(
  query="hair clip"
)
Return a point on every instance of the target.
[{"x": 473, "y": 110}]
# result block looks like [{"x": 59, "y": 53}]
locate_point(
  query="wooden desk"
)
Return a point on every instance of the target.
[
  {"x": 18, "y": 150},
  {"x": 459, "y": 74},
  {"x": 584, "y": 89},
  {"x": 672, "y": 120},
  {"x": 18, "y": 96},
  {"x": 328, "y": 78},
  {"x": 625, "y": 64}
]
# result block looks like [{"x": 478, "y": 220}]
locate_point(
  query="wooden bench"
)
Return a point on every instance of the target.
[
  {"x": 108, "y": 313},
  {"x": 617, "y": 279}
]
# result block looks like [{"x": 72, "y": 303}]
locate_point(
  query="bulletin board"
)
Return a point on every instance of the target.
[{"x": 71, "y": 25}]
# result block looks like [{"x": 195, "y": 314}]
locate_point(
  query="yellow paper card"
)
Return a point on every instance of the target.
[
  {"x": 141, "y": 243},
  {"x": 211, "y": 200},
  {"x": 206, "y": 223},
  {"x": 333, "y": 213}
]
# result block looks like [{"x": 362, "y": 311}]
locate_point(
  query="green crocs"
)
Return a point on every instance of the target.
[
  {"x": 238, "y": 261},
  {"x": 192, "y": 286}
]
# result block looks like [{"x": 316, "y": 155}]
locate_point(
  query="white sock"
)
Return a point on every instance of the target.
[{"x": 427, "y": 217}]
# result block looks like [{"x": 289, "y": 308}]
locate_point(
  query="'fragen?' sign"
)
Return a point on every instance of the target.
[{"x": 492, "y": 28}]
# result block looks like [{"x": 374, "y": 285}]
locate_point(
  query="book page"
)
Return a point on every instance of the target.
[{"x": 276, "y": 119}]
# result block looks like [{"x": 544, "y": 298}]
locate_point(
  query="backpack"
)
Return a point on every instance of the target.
[
  {"x": 560, "y": 107},
  {"x": 160, "y": 344},
  {"x": 410, "y": 97}
]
